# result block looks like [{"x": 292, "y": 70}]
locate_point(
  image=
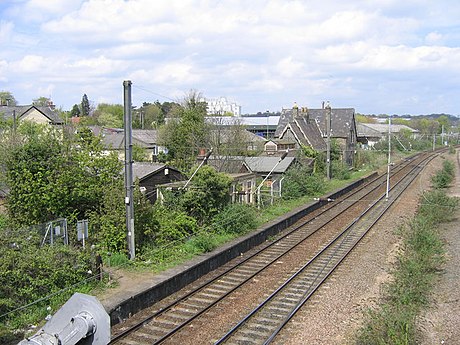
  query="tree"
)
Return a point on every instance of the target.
[
  {"x": 85, "y": 106},
  {"x": 7, "y": 98},
  {"x": 75, "y": 112},
  {"x": 207, "y": 195},
  {"x": 186, "y": 132},
  {"x": 109, "y": 115},
  {"x": 50, "y": 178},
  {"x": 42, "y": 101}
]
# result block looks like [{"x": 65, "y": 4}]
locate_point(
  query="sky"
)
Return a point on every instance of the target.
[{"x": 379, "y": 56}]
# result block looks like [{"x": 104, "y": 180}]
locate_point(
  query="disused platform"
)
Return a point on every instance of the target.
[{"x": 132, "y": 299}]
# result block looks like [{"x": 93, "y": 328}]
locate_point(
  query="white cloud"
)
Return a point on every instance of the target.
[{"x": 284, "y": 49}]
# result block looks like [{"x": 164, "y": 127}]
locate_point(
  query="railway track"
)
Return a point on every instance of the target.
[{"x": 269, "y": 316}]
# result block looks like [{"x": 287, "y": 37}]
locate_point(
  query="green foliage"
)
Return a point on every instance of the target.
[
  {"x": 208, "y": 194},
  {"x": 299, "y": 181},
  {"x": 395, "y": 320},
  {"x": 29, "y": 272},
  {"x": 85, "y": 106},
  {"x": 50, "y": 177},
  {"x": 186, "y": 132},
  {"x": 235, "y": 219},
  {"x": 146, "y": 223},
  {"x": 172, "y": 225},
  {"x": 75, "y": 112},
  {"x": 204, "y": 243},
  {"x": 7, "y": 98},
  {"x": 41, "y": 101},
  {"x": 140, "y": 154},
  {"x": 309, "y": 151},
  {"x": 109, "y": 115},
  {"x": 149, "y": 116},
  {"x": 340, "y": 170},
  {"x": 444, "y": 177}
]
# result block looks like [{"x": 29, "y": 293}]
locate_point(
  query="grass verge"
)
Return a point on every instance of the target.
[{"x": 394, "y": 320}]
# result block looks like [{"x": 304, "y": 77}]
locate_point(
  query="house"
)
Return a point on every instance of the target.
[
  {"x": 271, "y": 167},
  {"x": 368, "y": 136},
  {"x": 32, "y": 113},
  {"x": 243, "y": 179},
  {"x": 371, "y": 133},
  {"x": 150, "y": 175},
  {"x": 114, "y": 139},
  {"x": 342, "y": 124}
]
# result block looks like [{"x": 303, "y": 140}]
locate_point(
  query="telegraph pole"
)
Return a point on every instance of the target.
[
  {"x": 328, "y": 140},
  {"x": 129, "y": 169}
]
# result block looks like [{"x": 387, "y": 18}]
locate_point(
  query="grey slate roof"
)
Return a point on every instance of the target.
[
  {"x": 311, "y": 133},
  {"x": 143, "y": 169},
  {"x": 383, "y": 128},
  {"x": 115, "y": 138},
  {"x": 365, "y": 131},
  {"x": 265, "y": 164},
  {"x": 228, "y": 164},
  {"x": 21, "y": 110},
  {"x": 342, "y": 121}
]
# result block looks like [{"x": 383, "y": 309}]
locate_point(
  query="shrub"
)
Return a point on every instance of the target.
[
  {"x": 299, "y": 182},
  {"x": 444, "y": 177},
  {"x": 235, "y": 219}
]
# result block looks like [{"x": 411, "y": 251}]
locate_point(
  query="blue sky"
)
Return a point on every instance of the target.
[{"x": 380, "y": 56}]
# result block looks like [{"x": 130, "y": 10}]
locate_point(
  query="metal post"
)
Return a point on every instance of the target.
[
  {"x": 328, "y": 140},
  {"x": 389, "y": 157},
  {"x": 129, "y": 169}
]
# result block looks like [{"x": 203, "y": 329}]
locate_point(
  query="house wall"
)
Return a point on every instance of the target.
[{"x": 35, "y": 116}]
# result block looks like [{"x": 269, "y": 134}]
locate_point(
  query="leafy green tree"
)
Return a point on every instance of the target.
[
  {"x": 444, "y": 122},
  {"x": 42, "y": 101},
  {"x": 207, "y": 195},
  {"x": 85, "y": 106},
  {"x": 364, "y": 119},
  {"x": 50, "y": 178},
  {"x": 75, "y": 112},
  {"x": 186, "y": 132},
  {"x": 7, "y": 98},
  {"x": 149, "y": 116},
  {"x": 109, "y": 115}
]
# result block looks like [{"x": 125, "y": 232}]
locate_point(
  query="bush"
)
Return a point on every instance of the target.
[
  {"x": 340, "y": 171},
  {"x": 444, "y": 177},
  {"x": 204, "y": 242},
  {"x": 300, "y": 182},
  {"x": 235, "y": 219}
]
